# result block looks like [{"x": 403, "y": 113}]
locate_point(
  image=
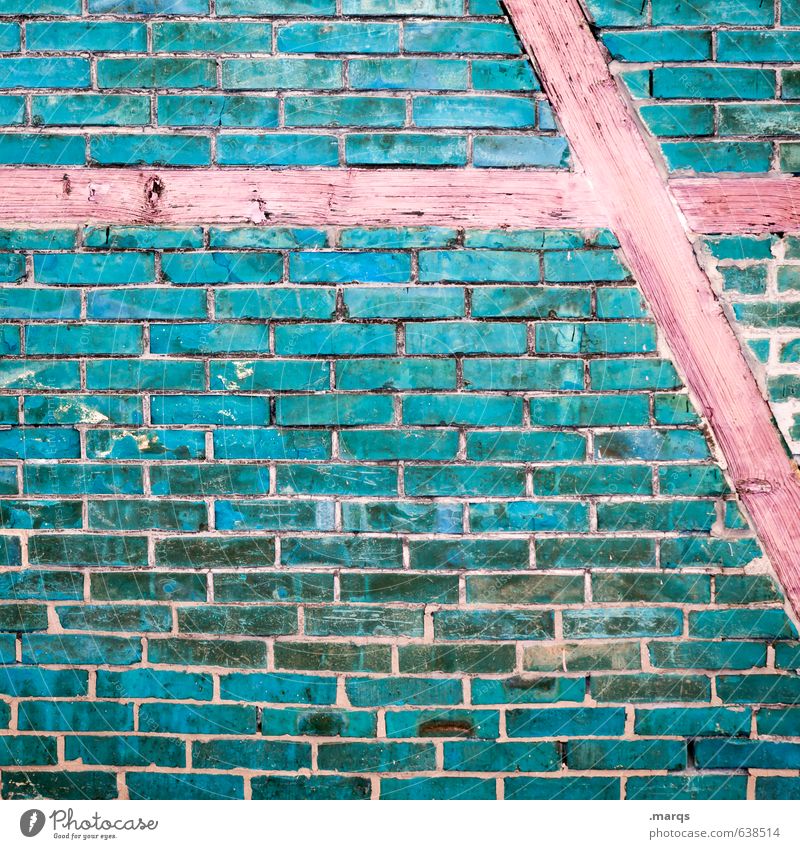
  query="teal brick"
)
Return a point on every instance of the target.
[
  {"x": 456, "y": 658},
  {"x": 82, "y": 409},
  {"x": 276, "y": 7},
  {"x": 503, "y": 75},
  {"x": 699, "y": 12},
  {"x": 209, "y": 268},
  {"x": 140, "y": 238},
  {"x": 468, "y": 37},
  {"x": 408, "y": 73},
  {"x": 252, "y": 620},
  {"x": 765, "y": 623},
  {"x": 210, "y": 479},
  {"x": 59, "y": 784},
  {"x": 396, "y": 373},
  {"x": 590, "y": 410},
  {"x": 404, "y": 149},
  {"x": 528, "y": 516},
  {"x": 418, "y": 8},
  {"x": 212, "y": 110},
  {"x": 337, "y": 339},
  {"x": 272, "y": 443},
  {"x": 469, "y": 410},
  {"x": 22, "y": 617},
  {"x": 538, "y": 374},
  {"x": 408, "y": 302},
  {"x": 317, "y": 723},
  {"x": 632, "y": 374},
  {"x": 493, "y": 625},
  {"x": 251, "y": 754},
  {"x": 473, "y": 111},
  {"x": 656, "y": 516},
  {"x": 41, "y": 149},
  {"x": 397, "y": 237},
  {"x": 485, "y": 756},
  {"x": 153, "y": 684},
  {"x": 158, "y": 150},
  {"x": 618, "y": 302},
  {"x": 142, "y": 375},
  {"x": 531, "y": 302},
  {"x": 39, "y": 443},
  {"x": 212, "y": 37},
  {"x": 562, "y": 788},
  {"x": 786, "y": 655},
  {"x": 441, "y": 722},
  {"x": 339, "y": 37},
  {"x": 283, "y": 514},
  {"x": 91, "y": 269},
  {"x": 593, "y": 480},
  {"x": 692, "y": 722},
  {"x": 8, "y": 648},
  {"x": 239, "y": 654},
  {"x": 397, "y": 517},
  {"x": 774, "y": 787},
  {"x": 196, "y": 785},
  {"x": 622, "y": 622},
  {"x": 469, "y": 554},
  {"x": 650, "y": 688},
  {"x": 659, "y": 45},
  {"x": 333, "y": 409},
  {"x": 266, "y": 237},
  {"x": 156, "y": 72},
  {"x": 75, "y": 716},
  {"x": 9, "y": 37},
  {"x": 276, "y": 303},
  {"x": 559, "y": 722},
  {"x": 274, "y": 787},
  {"x": 256, "y": 587},
  {"x": 211, "y": 338},
  {"x": 757, "y": 45},
  {"x": 39, "y": 374},
  {"x": 517, "y": 151},
  {"x": 284, "y": 149},
  {"x": 207, "y": 552},
  {"x": 334, "y": 657},
  {"x": 321, "y": 111},
  {"x": 147, "y": 514},
  {"x": 461, "y": 788},
  {"x": 346, "y": 551},
  {"x": 711, "y": 81},
  {"x": 31, "y": 681},
  {"x": 149, "y": 7},
  {"x": 82, "y": 478},
  {"x": 278, "y": 687},
  {"x": 779, "y": 722},
  {"x": 704, "y": 552},
  {"x": 417, "y": 444},
  {"x": 473, "y": 266},
  {"x": 347, "y": 267},
  {"x": 126, "y": 750},
  {"x": 716, "y": 157},
  {"x": 80, "y": 649},
  {"x": 281, "y": 73},
  {"x": 759, "y": 689},
  {"x": 377, "y": 757},
  {"x": 373, "y": 692},
  {"x": 36, "y": 72},
  {"x": 465, "y": 337},
  {"x": 764, "y": 119},
  {"x": 156, "y": 586},
  {"x": 209, "y": 409},
  {"x": 649, "y": 587},
  {"x": 597, "y": 337},
  {"x": 746, "y": 589},
  {"x": 40, "y": 514},
  {"x": 102, "y": 110},
  {"x": 525, "y": 589},
  {"x": 751, "y": 280},
  {"x": 746, "y": 754},
  {"x": 146, "y": 304},
  {"x": 12, "y": 110},
  {"x": 87, "y": 550},
  {"x": 461, "y": 480},
  {"x": 626, "y": 754},
  {"x": 25, "y": 750},
  {"x": 686, "y": 787},
  {"x": 536, "y": 446},
  {"x": 124, "y": 444},
  {"x": 45, "y": 585},
  {"x": 89, "y": 36}
]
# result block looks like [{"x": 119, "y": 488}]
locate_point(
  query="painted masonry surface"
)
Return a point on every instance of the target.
[{"x": 379, "y": 512}]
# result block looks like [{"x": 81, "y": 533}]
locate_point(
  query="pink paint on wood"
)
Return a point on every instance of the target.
[
  {"x": 391, "y": 197},
  {"x": 605, "y": 135}
]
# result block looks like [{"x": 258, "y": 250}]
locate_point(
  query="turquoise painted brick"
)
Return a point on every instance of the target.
[
  {"x": 644, "y": 687},
  {"x": 36, "y": 584},
  {"x": 253, "y": 620},
  {"x": 211, "y": 338},
  {"x": 763, "y": 119},
  {"x": 9, "y": 37},
  {"x": 531, "y": 302},
  {"x": 560, "y": 722},
  {"x": 240, "y": 654},
  {"x": 767, "y": 623},
  {"x": 593, "y": 480},
  {"x": 408, "y": 73},
  {"x": 684, "y": 787},
  {"x": 80, "y": 36},
  {"x": 44, "y": 72},
  {"x": 692, "y": 722},
  {"x": 492, "y": 625},
  {"x": 82, "y": 409},
  {"x": 468, "y": 37},
  {"x": 75, "y": 716},
  {"x": 626, "y": 754},
  {"x": 75, "y": 339},
  {"x": 146, "y": 304},
  {"x": 204, "y": 552},
  {"x": 679, "y": 120},
  {"x": 348, "y": 267},
  {"x": 261, "y": 375},
  {"x": 460, "y": 337},
  {"x": 163, "y": 150},
  {"x": 484, "y": 756},
  {"x": 125, "y": 444},
  {"x": 408, "y": 302},
  {"x": 524, "y": 589},
  {"x": 210, "y": 479},
  {"x": 22, "y": 617},
  {"x": 39, "y": 443},
  {"x": 699, "y": 12},
  {"x": 333, "y": 410},
  {"x": 622, "y": 622},
  {"x": 284, "y": 149},
  {"x": 87, "y": 550},
  {"x": 39, "y": 514},
  {"x": 691, "y": 480},
  {"x": 740, "y": 247},
  {"x": 508, "y": 374},
  {"x": 536, "y": 445},
  {"x": 255, "y": 587},
  {"x": 460, "y": 480},
  {"x": 31, "y": 681},
  {"x": 755, "y": 689},
  {"x": 139, "y": 238},
  {"x": 396, "y": 373},
  {"x": 469, "y": 554},
  {"x": 251, "y": 754},
  {"x": 712, "y": 82},
  {"x": 418, "y": 444},
  {"x": 156, "y": 72},
  {"x": 8, "y": 647},
  {"x": 27, "y": 749},
  {"x": 276, "y": 303},
  {"x": 39, "y": 374},
  {"x": 473, "y": 111},
  {"x": 12, "y": 268},
  {"x": 104, "y": 110},
  {"x": 456, "y": 658},
  {"x": 775, "y": 787},
  {"x": 590, "y": 410},
  {"x": 405, "y": 149},
  {"x": 746, "y": 589},
  {"x": 190, "y": 516},
  {"x": 398, "y": 516},
  {"x": 516, "y": 151},
  {"x": 149, "y": 7},
  {"x": 437, "y": 788},
  {"x": 443, "y": 723},
  {"x": 209, "y": 409},
  {"x": 210, "y": 268},
  {"x": 786, "y": 656},
  {"x": 40, "y": 149},
  {"x": 746, "y": 754},
  {"x": 313, "y": 787},
  {"x": 153, "y": 684},
  {"x": 323, "y": 111},
  {"x": 266, "y": 237},
  {"x": 597, "y": 337},
  {"x": 161, "y": 586},
  {"x": 276, "y": 7},
  {"x": 281, "y": 73},
  {"x": 347, "y": 551},
  {"x": 77, "y": 649},
  {"x": 80, "y": 478},
  {"x": 317, "y": 723},
  {"x": 503, "y": 75},
  {"x": 771, "y": 314},
  {"x": 397, "y": 237},
  {"x": 372, "y": 692},
  {"x": 41, "y": 7},
  {"x": 477, "y": 410},
  {"x": 126, "y": 750},
  {"x": 335, "y": 339},
  {"x": 473, "y": 266},
  {"x": 271, "y": 443},
  {"x": 703, "y": 552},
  {"x": 614, "y": 302},
  {"x": 339, "y": 37},
  {"x": 91, "y": 269},
  {"x": 527, "y": 516},
  {"x": 656, "y": 516},
  {"x": 780, "y": 722},
  {"x": 718, "y": 156},
  {"x": 212, "y": 110},
  {"x": 196, "y": 785},
  {"x": 12, "y": 109},
  {"x": 582, "y": 266},
  {"x": 757, "y": 45},
  {"x": 212, "y": 37},
  {"x": 618, "y": 13},
  {"x": 659, "y": 45},
  {"x": 418, "y": 8},
  {"x": 333, "y": 656},
  {"x": 790, "y": 13},
  {"x": 632, "y": 374},
  {"x": 377, "y": 757},
  {"x": 278, "y": 687},
  {"x": 652, "y": 445},
  {"x": 751, "y": 280},
  {"x": 562, "y": 788},
  {"x": 60, "y": 784}
]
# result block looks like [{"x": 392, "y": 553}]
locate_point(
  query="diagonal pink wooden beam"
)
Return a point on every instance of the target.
[
  {"x": 387, "y": 196},
  {"x": 604, "y": 134}
]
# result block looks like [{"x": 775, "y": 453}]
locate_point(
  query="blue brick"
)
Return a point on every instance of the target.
[
  {"x": 78, "y": 36},
  {"x": 283, "y": 149},
  {"x": 339, "y": 37},
  {"x": 405, "y": 149},
  {"x": 44, "y": 72},
  {"x": 347, "y": 267},
  {"x": 163, "y": 150},
  {"x": 517, "y": 151}
]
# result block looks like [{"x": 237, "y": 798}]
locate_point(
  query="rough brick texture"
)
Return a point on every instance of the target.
[{"x": 370, "y": 513}]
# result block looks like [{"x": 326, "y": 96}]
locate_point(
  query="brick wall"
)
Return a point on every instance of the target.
[{"x": 370, "y": 513}]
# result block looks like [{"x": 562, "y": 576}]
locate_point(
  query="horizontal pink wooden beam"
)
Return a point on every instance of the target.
[
  {"x": 606, "y": 138},
  {"x": 377, "y": 197}
]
